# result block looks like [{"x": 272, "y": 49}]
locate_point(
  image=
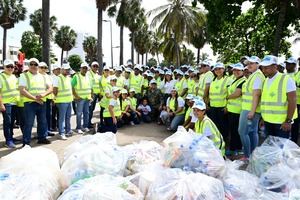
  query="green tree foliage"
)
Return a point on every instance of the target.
[
  {"x": 36, "y": 23},
  {"x": 90, "y": 47},
  {"x": 142, "y": 40},
  {"x": 188, "y": 56},
  {"x": 75, "y": 62},
  {"x": 11, "y": 12},
  {"x": 65, "y": 38},
  {"x": 151, "y": 62},
  {"x": 155, "y": 45},
  {"x": 198, "y": 40},
  {"x": 31, "y": 45}
]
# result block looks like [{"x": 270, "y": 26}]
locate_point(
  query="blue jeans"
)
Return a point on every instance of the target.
[
  {"x": 64, "y": 117},
  {"x": 177, "y": 120},
  {"x": 248, "y": 132},
  {"x": 92, "y": 107},
  {"x": 48, "y": 113},
  {"x": 8, "y": 116},
  {"x": 82, "y": 108},
  {"x": 32, "y": 109},
  {"x": 275, "y": 130},
  {"x": 109, "y": 126}
]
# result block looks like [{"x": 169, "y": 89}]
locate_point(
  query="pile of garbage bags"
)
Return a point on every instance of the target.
[
  {"x": 185, "y": 166},
  {"x": 30, "y": 173}
]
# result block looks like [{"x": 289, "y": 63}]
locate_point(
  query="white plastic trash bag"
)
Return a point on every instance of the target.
[
  {"x": 102, "y": 187},
  {"x": 175, "y": 184}
]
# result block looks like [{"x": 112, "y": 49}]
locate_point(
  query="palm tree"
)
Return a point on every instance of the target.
[
  {"x": 46, "y": 31},
  {"x": 101, "y": 6},
  {"x": 142, "y": 41},
  {"x": 171, "y": 50},
  {"x": 36, "y": 23},
  {"x": 199, "y": 40},
  {"x": 177, "y": 20},
  {"x": 65, "y": 38},
  {"x": 90, "y": 47},
  {"x": 11, "y": 12},
  {"x": 155, "y": 45}
]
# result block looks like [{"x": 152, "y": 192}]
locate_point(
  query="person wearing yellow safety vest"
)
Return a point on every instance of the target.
[
  {"x": 205, "y": 79},
  {"x": 120, "y": 77},
  {"x": 43, "y": 69},
  {"x": 95, "y": 83},
  {"x": 63, "y": 97},
  {"x": 169, "y": 84},
  {"x": 127, "y": 116},
  {"x": 104, "y": 82},
  {"x": 181, "y": 84},
  {"x": 82, "y": 92},
  {"x": 145, "y": 83},
  {"x": 127, "y": 78},
  {"x": 9, "y": 96},
  {"x": 136, "y": 81},
  {"x": 34, "y": 89},
  {"x": 188, "y": 124},
  {"x": 291, "y": 67},
  {"x": 205, "y": 126},
  {"x": 54, "y": 116},
  {"x": 175, "y": 111},
  {"x": 112, "y": 114},
  {"x": 250, "y": 115},
  {"x": 133, "y": 103},
  {"x": 278, "y": 99},
  {"x": 234, "y": 108},
  {"x": 217, "y": 99}
]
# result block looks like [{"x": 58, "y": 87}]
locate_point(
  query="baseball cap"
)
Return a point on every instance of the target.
[
  {"x": 291, "y": 60},
  {"x": 127, "y": 70},
  {"x": 25, "y": 68},
  {"x": 253, "y": 59},
  {"x": 8, "y": 62},
  {"x": 238, "y": 66},
  {"x": 132, "y": 90},
  {"x": 151, "y": 74},
  {"x": 169, "y": 73},
  {"x": 282, "y": 64},
  {"x": 268, "y": 60},
  {"x": 161, "y": 71},
  {"x": 43, "y": 64},
  {"x": 174, "y": 89},
  {"x": 34, "y": 60},
  {"x": 153, "y": 81},
  {"x": 66, "y": 66},
  {"x": 197, "y": 98},
  {"x": 115, "y": 89},
  {"x": 189, "y": 97},
  {"x": 118, "y": 68},
  {"x": 129, "y": 63},
  {"x": 84, "y": 64},
  {"x": 124, "y": 91},
  {"x": 180, "y": 72},
  {"x": 56, "y": 66},
  {"x": 106, "y": 68},
  {"x": 112, "y": 78},
  {"x": 206, "y": 62},
  {"x": 199, "y": 104},
  {"x": 95, "y": 63},
  {"x": 219, "y": 65}
]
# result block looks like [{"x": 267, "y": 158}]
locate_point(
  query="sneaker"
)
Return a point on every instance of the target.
[
  {"x": 86, "y": 130},
  {"x": 10, "y": 145},
  {"x": 25, "y": 145},
  {"x": 62, "y": 137},
  {"x": 79, "y": 131},
  {"x": 69, "y": 134},
  {"x": 44, "y": 141},
  {"x": 132, "y": 123},
  {"x": 50, "y": 134}
]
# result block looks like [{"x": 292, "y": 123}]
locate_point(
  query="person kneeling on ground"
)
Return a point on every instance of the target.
[
  {"x": 205, "y": 126},
  {"x": 112, "y": 114},
  {"x": 127, "y": 116},
  {"x": 145, "y": 110}
]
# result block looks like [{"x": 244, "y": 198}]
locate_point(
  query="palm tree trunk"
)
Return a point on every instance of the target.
[
  {"x": 4, "y": 44},
  {"x": 132, "y": 48},
  {"x": 62, "y": 56},
  {"x": 46, "y": 32},
  {"x": 158, "y": 62},
  {"x": 99, "y": 43},
  {"x": 121, "y": 44},
  {"x": 138, "y": 57},
  {"x": 143, "y": 59},
  {"x": 146, "y": 59},
  {"x": 279, "y": 27},
  {"x": 198, "y": 56}
]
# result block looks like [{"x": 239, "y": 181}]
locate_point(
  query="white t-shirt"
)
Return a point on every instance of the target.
[
  {"x": 114, "y": 102},
  {"x": 193, "y": 117},
  {"x": 168, "y": 86},
  {"x": 56, "y": 81},
  {"x": 290, "y": 87},
  {"x": 145, "y": 109},
  {"x": 209, "y": 79},
  {"x": 180, "y": 100},
  {"x": 258, "y": 83}
]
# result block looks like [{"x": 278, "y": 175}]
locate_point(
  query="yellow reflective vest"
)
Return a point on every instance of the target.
[
  {"x": 179, "y": 85},
  {"x": 36, "y": 85},
  {"x": 202, "y": 82},
  {"x": 235, "y": 105},
  {"x": 191, "y": 86},
  {"x": 172, "y": 105},
  {"x": 95, "y": 81},
  {"x": 9, "y": 91},
  {"x": 83, "y": 87},
  {"x": 64, "y": 93},
  {"x": 136, "y": 83},
  {"x": 297, "y": 81},
  {"x": 218, "y": 92},
  {"x": 105, "y": 100},
  {"x": 116, "y": 109},
  {"x": 188, "y": 113}
]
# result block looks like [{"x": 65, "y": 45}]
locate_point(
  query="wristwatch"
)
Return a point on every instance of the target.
[{"x": 290, "y": 121}]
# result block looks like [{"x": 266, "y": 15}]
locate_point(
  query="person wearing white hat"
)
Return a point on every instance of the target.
[
  {"x": 120, "y": 77},
  {"x": 187, "y": 117},
  {"x": 34, "y": 90},
  {"x": 278, "y": 100},
  {"x": 94, "y": 77},
  {"x": 43, "y": 69},
  {"x": 169, "y": 84},
  {"x": 145, "y": 82},
  {"x": 136, "y": 81},
  {"x": 205, "y": 80},
  {"x": 281, "y": 67},
  {"x": 9, "y": 96},
  {"x": 181, "y": 84},
  {"x": 63, "y": 97},
  {"x": 82, "y": 91},
  {"x": 133, "y": 102},
  {"x": 127, "y": 78},
  {"x": 155, "y": 99},
  {"x": 205, "y": 126},
  {"x": 127, "y": 115},
  {"x": 251, "y": 93},
  {"x": 112, "y": 113},
  {"x": 234, "y": 108}
]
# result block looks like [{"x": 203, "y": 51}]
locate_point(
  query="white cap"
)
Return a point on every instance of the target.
[
  {"x": 43, "y": 64},
  {"x": 124, "y": 91},
  {"x": 161, "y": 71},
  {"x": 291, "y": 60},
  {"x": 119, "y": 68},
  {"x": 8, "y": 62},
  {"x": 132, "y": 90},
  {"x": 66, "y": 66},
  {"x": 129, "y": 63},
  {"x": 84, "y": 64},
  {"x": 206, "y": 62},
  {"x": 253, "y": 59},
  {"x": 56, "y": 66},
  {"x": 199, "y": 104},
  {"x": 196, "y": 71},
  {"x": 72, "y": 72},
  {"x": 112, "y": 78},
  {"x": 268, "y": 60},
  {"x": 34, "y": 60},
  {"x": 114, "y": 89},
  {"x": 137, "y": 66},
  {"x": 111, "y": 69},
  {"x": 95, "y": 63},
  {"x": 180, "y": 72},
  {"x": 128, "y": 69},
  {"x": 151, "y": 74},
  {"x": 25, "y": 67},
  {"x": 238, "y": 66},
  {"x": 169, "y": 73},
  {"x": 282, "y": 65},
  {"x": 189, "y": 97},
  {"x": 197, "y": 98},
  {"x": 184, "y": 66},
  {"x": 153, "y": 81},
  {"x": 219, "y": 65},
  {"x": 186, "y": 73},
  {"x": 106, "y": 67}
]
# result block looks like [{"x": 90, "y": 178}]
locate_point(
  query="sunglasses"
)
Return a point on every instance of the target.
[
  {"x": 44, "y": 67},
  {"x": 83, "y": 67},
  {"x": 10, "y": 67},
  {"x": 95, "y": 66},
  {"x": 33, "y": 64}
]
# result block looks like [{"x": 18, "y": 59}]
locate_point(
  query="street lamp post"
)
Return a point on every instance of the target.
[{"x": 111, "y": 46}]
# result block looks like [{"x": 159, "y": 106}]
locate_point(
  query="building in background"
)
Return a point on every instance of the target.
[{"x": 12, "y": 54}]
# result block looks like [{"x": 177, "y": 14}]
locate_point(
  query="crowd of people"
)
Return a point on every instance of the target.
[{"x": 227, "y": 103}]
